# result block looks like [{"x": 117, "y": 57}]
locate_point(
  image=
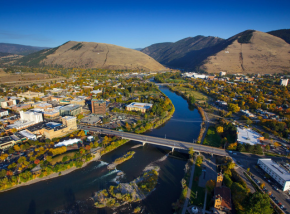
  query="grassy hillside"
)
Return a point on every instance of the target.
[
  {"x": 249, "y": 52},
  {"x": 91, "y": 55}
]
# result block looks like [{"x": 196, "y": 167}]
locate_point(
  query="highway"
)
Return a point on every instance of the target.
[{"x": 158, "y": 141}]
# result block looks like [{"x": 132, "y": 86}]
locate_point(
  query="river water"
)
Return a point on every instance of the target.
[{"x": 71, "y": 192}]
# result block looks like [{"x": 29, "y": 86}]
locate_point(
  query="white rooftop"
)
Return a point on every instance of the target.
[
  {"x": 248, "y": 136},
  {"x": 140, "y": 105},
  {"x": 28, "y": 135},
  {"x": 279, "y": 170},
  {"x": 68, "y": 142}
]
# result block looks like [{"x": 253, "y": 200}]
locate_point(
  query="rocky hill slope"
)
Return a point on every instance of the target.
[{"x": 92, "y": 55}]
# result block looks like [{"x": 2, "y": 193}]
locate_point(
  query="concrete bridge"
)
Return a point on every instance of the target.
[{"x": 173, "y": 144}]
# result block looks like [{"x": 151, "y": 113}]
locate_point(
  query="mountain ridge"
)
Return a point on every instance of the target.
[
  {"x": 91, "y": 55},
  {"x": 19, "y": 49}
]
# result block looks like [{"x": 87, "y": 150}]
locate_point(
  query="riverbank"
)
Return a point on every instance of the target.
[
  {"x": 122, "y": 159},
  {"x": 53, "y": 175},
  {"x": 136, "y": 190}
]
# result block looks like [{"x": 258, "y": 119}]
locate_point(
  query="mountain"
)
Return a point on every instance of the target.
[
  {"x": 138, "y": 49},
  {"x": 248, "y": 52},
  {"x": 283, "y": 34},
  {"x": 180, "y": 54},
  {"x": 91, "y": 55},
  {"x": 18, "y": 49}
]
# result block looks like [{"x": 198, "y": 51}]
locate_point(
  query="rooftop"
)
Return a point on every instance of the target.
[
  {"x": 248, "y": 136},
  {"x": 277, "y": 168},
  {"x": 140, "y": 105},
  {"x": 70, "y": 107},
  {"x": 225, "y": 193}
]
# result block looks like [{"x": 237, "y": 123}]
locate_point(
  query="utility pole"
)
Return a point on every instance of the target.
[{"x": 165, "y": 136}]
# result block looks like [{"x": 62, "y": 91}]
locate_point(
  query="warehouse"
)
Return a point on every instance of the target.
[{"x": 279, "y": 172}]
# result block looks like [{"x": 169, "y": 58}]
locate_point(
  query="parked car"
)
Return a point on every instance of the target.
[{"x": 279, "y": 204}]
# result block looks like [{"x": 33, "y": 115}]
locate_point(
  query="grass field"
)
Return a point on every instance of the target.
[
  {"x": 212, "y": 138},
  {"x": 197, "y": 95},
  {"x": 58, "y": 158},
  {"x": 197, "y": 192}
]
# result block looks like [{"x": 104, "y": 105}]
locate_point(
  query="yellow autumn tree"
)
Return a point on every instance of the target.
[{"x": 220, "y": 129}]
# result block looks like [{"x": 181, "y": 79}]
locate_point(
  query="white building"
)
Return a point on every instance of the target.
[
  {"x": 31, "y": 116},
  {"x": 194, "y": 75},
  {"x": 248, "y": 136},
  {"x": 284, "y": 82},
  {"x": 96, "y": 91},
  {"x": 3, "y": 112},
  {"x": 223, "y": 73},
  {"x": 28, "y": 134},
  {"x": 279, "y": 173}
]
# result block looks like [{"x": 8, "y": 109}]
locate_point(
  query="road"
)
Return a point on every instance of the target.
[{"x": 158, "y": 141}]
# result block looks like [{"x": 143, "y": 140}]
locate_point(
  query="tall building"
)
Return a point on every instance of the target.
[
  {"x": 284, "y": 82},
  {"x": 31, "y": 116},
  {"x": 98, "y": 106}
]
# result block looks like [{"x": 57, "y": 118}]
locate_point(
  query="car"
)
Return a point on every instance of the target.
[
  {"x": 275, "y": 188},
  {"x": 276, "y": 201},
  {"x": 269, "y": 181},
  {"x": 279, "y": 204},
  {"x": 282, "y": 207}
]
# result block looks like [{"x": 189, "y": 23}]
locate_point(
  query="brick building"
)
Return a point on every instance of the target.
[{"x": 98, "y": 106}]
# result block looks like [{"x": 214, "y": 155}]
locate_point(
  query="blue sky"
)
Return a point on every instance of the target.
[{"x": 134, "y": 24}]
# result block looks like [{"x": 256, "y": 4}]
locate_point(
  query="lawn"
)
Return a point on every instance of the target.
[
  {"x": 58, "y": 158},
  {"x": 195, "y": 189},
  {"x": 212, "y": 138},
  {"x": 197, "y": 95}
]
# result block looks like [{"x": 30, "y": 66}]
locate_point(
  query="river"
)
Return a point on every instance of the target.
[{"x": 71, "y": 192}]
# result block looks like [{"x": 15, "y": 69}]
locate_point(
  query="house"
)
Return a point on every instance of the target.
[{"x": 222, "y": 196}]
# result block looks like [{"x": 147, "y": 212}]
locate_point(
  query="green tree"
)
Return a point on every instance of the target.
[
  {"x": 258, "y": 203},
  {"x": 2, "y": 173},
  {"x": 191, "y": 152},
  {"x": 267, "y": 147},
  {"x": 233, "y": 107}
]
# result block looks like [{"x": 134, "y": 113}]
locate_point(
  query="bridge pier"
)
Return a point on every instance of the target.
[
  {"x": 143, "y": 143},
  {"x": 172, "y": 150}
]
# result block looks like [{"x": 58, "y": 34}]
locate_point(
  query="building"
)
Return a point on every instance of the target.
[
  {"x": 279, "y": 172},
  {"x": 77, "y": 101},
  {"x": 70, "y": 110},
  {"x": 6, "y": 142},
  {"x": 7, "y": 103},
  {"x": 98, "y": 106},
  {"x": 70, "y": 122},
  {"x": 222, "y": 196},
  {"x": 55, "y": 130},
  {"x": 223, "y": 73},
  {"x": 28, "y": 134},
  {"x": 30, "y": 94},
  {"x": 96, "y": 91},
  {"x": 52, "y": 112},
  {"x": 3, "y": 113},
  {"x": 32, "y": 116},
  {"x": 143, "y": 107},
  {"x": 20, "y": 107},
  {"x": 284, "y": 82},
  {"x": 247, "y": 135},
  {"x": 56, "y": 90},
  {"x": 42, "y": 105}
]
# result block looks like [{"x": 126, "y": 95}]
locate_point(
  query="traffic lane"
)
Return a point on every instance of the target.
[{"x": 165, "y": 142}]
